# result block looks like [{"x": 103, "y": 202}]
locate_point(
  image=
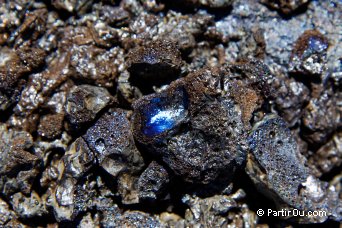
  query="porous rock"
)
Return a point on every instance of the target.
[
  {"x": 136, "y": 219},
  {"x": 70, "y": 197},
  {"x": 112, "y": 143},
  {"x": 6, "y": 214},
  {"x": 13, "y": 66},
  {"x": 154, "y": 63},
  {"x": 218, "y": 210},
  {"x": 18, "y": 167},
  {"x": 78, "y": 159},
  {"x": 285, "y": 6},
  {"x": 50, "y": 126},
  {"x": 278, "y": 169},
  {"x": 216, "y": 3},
  {"x": 37, "y": 91},
  {"x": 291, "y": 97},
  {"x": 309, "y": 53},
  {"x": 198, "y": 125},
  {"x": 327, "y": 157},
  {"x": 73, "y": 6},
  {"x": 84, "y": 102},
  {"x": 95, "y": 65},
  {"x": 28, "y": 207},
  {"x": 320, "y": 118},
  {"x": 153, "y": 182}
]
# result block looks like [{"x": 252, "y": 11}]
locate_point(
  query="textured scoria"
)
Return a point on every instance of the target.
[
  {"x": 198, "y": 125},
  {"x": 159, "y": 113},
  {"x": 277, "y": 167}
]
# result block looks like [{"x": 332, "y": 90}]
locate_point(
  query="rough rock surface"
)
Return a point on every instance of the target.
[
  {"x": 84, "y": 102},
  {"x": 158, "y": 113},
  {"x": 153, "y": 182},
  {"x": 277, "y": 167},
  {"x": 157, "y": 63},
  {"x": 111, "y": 141}
]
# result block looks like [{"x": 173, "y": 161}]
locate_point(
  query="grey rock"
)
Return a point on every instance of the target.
[
  {"x": 277, "y": 168},
  {"x": 137, "y": 219},
  {"x": 18, "y": 167},
  {"x": 216, "y": 3},
  {"x": 71, "y": 197},
  {"x": 154, "y": 64},
  {"x": 28, "y": 207},
  {"x": 153, "y": 182},
  {"x": 309, "y": 54},
  {"x": 6, "y": 214},
  {"x": 290, "y": 99},
  {"x": 95, "y": 65},
  {"x": 321, "y": 118},
  {"x": 128, "y": 189},
  {"x": 78, "y": 159},
  {"x": 73, "y": 6},
  {"x": 328, "y": 156},
  {"x": 112, "y": 143},
  {"x": 88, "y": 221},
  {"x": 198, "y": 124},
  {"x": 219, "y": 210},
  {"x": 84, "y": 102},
  {"x": 284, "y": 6},
  {"x": 110, "y": 216}
]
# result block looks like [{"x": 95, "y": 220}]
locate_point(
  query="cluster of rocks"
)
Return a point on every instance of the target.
[{"x": 190, "y": 113}]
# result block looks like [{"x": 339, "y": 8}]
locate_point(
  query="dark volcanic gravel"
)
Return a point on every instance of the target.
[{"x": 160, "y": 113}]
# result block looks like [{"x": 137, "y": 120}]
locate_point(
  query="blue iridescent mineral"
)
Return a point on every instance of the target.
[
  {"x": 316, "y": 45},
  {"x": 163, "y": 113},
  {"x": 309, "y": 54}
]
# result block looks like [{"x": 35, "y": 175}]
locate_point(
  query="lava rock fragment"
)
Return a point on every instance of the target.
[
  {"x": 291, "y": 97},
  {"x": 285, "y": 6},
  {"x": 14, "y": 66},
  {"x": 277, "y": 168},
  {"x": 78, "y": 159},
  {"x": 216, "y": 3},
  {"x": 50, "y": 126},
  {"x": 128, "y": 189},
  {"x": 327, "y": 157},
  {"x": 198, "y": 124},
  {"x": 73, "y": 6},
  {"x": 84, "y": 102},
  {"x": 309, "y": 53},
  {"x": 153, "y": 182},
  {"x": 193, "y": 4},
  {"x": 112, "y": 143},
  {"x": 136, "y": 219},
  {"x": 221, "y": 210},
  {"x": 18, "y": 166},
  {"x": 5, "y": 213},
  {"x": 154, "y": 64},
  {"x": 32, "y": 28},
  {"x": 71, "y": 197},
  {"x": 320, "y": 118},
  {"x": 69, "y": 192},
  {"x": 95, "y": 65},
  {"x": 28, "y": 207},
  {"x": 49, "y": 178},
  {"x": 37, "y": 91},
  {"x": 114, "y": 16}
]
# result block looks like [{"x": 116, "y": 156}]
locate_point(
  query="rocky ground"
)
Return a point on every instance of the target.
[{"x": 185, "y": 113}]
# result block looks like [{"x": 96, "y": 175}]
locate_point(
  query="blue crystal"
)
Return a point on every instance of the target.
[
  {"x": 317, "y": 45},
  {"x": 162, "y": 114}
]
